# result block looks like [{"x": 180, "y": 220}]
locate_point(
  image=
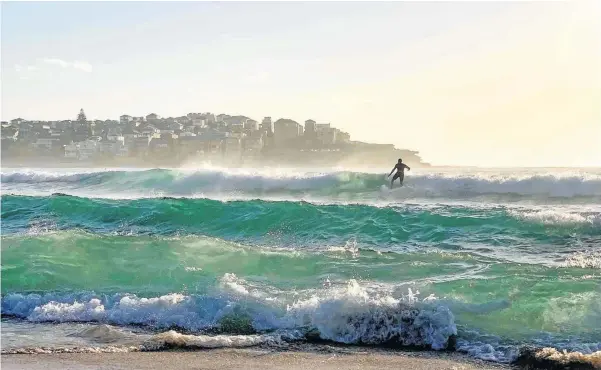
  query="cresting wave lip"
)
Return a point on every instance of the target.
[{"x": 166, "y": 182}]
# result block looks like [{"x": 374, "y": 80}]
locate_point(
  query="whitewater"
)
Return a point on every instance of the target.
[{"x": 482, "y": 261}]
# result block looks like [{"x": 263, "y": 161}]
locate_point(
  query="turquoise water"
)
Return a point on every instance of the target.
[{"x": 499, "y": 259}]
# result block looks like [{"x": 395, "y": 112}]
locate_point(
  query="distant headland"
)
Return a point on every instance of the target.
[{"x": 223, "y": 140}]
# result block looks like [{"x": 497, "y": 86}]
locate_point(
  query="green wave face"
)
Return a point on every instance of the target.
[
  {"x": 293, "y": 221},
  {"x": 495, "y": 296}
]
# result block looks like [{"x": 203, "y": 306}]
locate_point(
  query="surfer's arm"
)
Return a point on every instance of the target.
[
  {"x": 393, "y": 168},
  {"x": 407, "y": 167}
]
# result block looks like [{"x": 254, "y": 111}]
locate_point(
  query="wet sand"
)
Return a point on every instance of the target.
[{"x": 247, "y": 359}]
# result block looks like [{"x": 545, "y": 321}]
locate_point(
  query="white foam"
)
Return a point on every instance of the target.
[
  {"x": 488, "y": 351},
  {"x": 174, "y": 339},
  {"x": 93, "y": 310},
  {"x": 232, "y": 283},
  {"x": 350, "y": 247},
  {"x": 352, "y": 315},
  {"x": 349, "y": 315},
  {"x": 160, "y": 312},
  {"x": 192, "y": 269},
  {"x": 49, "y": 350},
  {"x": 558, "y": 216},
  {"x": 588, "y": 259}
]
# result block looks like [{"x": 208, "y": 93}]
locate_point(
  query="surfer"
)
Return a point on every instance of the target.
[{"x": 400, "y": 174}]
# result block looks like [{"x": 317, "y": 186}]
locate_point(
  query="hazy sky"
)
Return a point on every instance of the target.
[{"x": 472, "y": 83}]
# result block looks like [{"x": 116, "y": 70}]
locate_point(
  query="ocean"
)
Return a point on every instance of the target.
[{"x": 481, "y": 261}]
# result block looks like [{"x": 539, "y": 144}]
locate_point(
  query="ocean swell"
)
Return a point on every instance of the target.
[{"x": 292, "y": 185}]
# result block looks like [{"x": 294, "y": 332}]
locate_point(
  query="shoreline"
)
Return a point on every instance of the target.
[{"x": 301, "y": 357}]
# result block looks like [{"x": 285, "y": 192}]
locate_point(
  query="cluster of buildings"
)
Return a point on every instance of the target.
[{"x": 154, "y": 137}]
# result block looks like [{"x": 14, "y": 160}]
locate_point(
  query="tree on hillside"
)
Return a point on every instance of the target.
[{"x": 81, "y": 117}]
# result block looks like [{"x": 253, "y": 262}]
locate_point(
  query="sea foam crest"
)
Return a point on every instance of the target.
[
  {"x": 346, "y": 315},
  {"x": 354, "y": 316}
]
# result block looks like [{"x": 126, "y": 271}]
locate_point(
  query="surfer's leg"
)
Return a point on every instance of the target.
[{"x": 401, "y": 178}]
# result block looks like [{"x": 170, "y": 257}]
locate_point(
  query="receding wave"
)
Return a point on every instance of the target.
[{"x": 344, "y": 185}]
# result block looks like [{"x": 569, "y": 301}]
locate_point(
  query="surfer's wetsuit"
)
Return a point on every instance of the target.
[{"x": 400, "y": 173}]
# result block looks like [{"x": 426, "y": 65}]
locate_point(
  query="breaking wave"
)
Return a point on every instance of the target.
[
  {"x": 292, "y": 184},
  {"x": 240, "y": 317},
  {"x": 347, "y": 315}
]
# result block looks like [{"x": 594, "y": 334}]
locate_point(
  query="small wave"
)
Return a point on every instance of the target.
[
  {"x": 173, "y": 339},
  {"x": 558, "y": 216},
  {"x": 102, "y": 334}
]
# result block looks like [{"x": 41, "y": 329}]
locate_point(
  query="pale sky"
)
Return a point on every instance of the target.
[{"x": 466, "y": 83}]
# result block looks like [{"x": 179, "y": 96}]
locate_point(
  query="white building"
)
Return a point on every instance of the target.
[
  {"x": 72, "y": 150},
  {"x": 84, "y": 150},
  {"x": 115, "y": 137},
  {"x": 140, "y": 145},
  {"x": 88, "y": 149},
  {"x": 232, "y": 146},
  {"x": 138, "y": 121},
  {"x": 152, "y": 117},
  {"x": 129, "y": 135},
  {"x": 125, "y": 119},
  {"x": 327, "y": 136},
  {"x": 149, "y": 131},
  {"x": 236, "y": 128},
  {"x": 266, "y": 125},
  {"x": 189, "y": 129},
  {"x": 251, "y": 125},
  {"x": 45, "y": 143},
  {"x": 123, "y": 151},
  {"x": 286, "y": 130},
  {"x": 200, "y": 122},
  {"x": 110, "y": 148},
  {"x": 253, "y": 144},
  {"x": 186, "y": 134}
]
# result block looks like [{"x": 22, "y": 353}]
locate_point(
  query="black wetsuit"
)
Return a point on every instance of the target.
[{"x": 400, "y": 173}]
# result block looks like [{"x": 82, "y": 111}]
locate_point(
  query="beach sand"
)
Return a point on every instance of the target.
[{"x": 323, "y": 358}]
